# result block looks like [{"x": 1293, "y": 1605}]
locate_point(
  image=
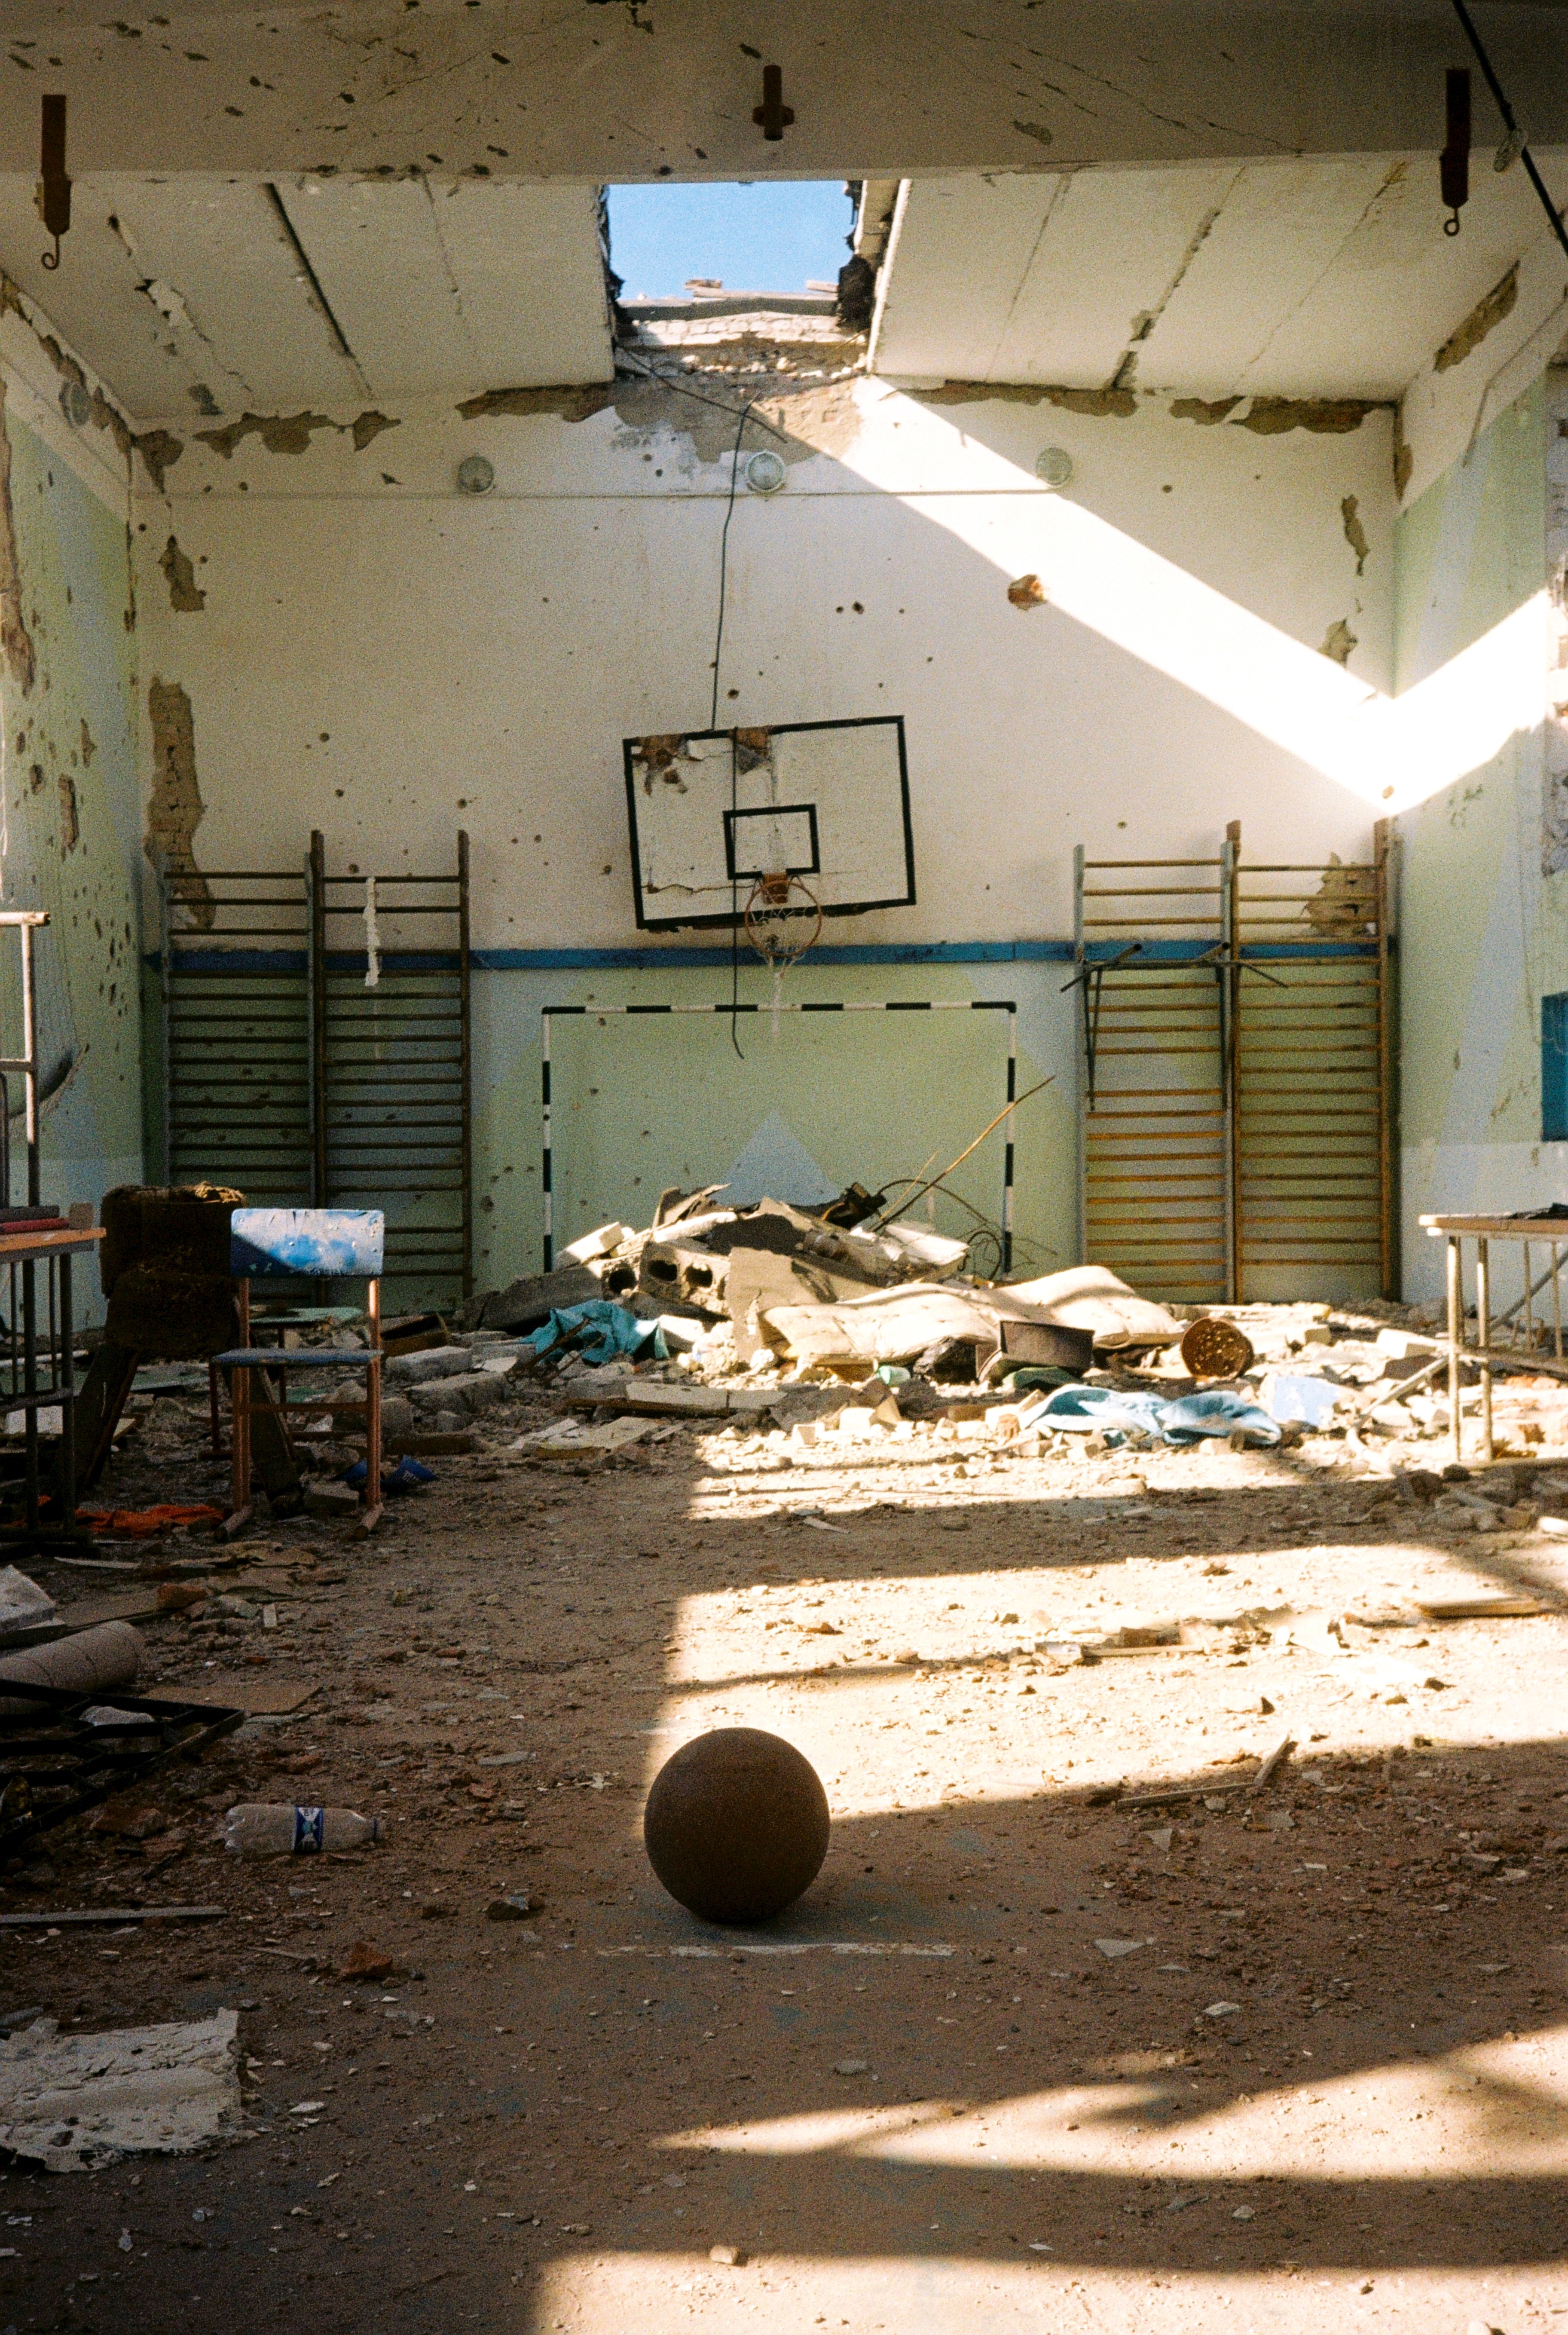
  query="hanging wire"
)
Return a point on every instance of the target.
[
  {"x": 1514, "y": 142},
  {"x": 713, "y": 724}
]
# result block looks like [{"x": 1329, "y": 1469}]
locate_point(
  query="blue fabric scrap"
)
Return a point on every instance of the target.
[
  {"x": 1119, "y": 1412},
  {"x": 404, "y": 1477},
  {"x": 598, "y": 1332}
]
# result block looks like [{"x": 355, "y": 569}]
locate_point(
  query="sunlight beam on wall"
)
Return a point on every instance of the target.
[{"x": 1392, "y": 752}]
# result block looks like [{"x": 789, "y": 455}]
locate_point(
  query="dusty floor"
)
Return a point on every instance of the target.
[{"x": 1325, "y": 2084}]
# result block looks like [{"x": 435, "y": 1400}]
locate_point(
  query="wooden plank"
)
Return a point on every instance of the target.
[
  {"x": 116, "y": 1916},
  {"x": 1529, "y": 1228}
]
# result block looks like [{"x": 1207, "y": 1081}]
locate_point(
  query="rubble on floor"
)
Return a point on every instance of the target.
[{"x": 73, "y": 2103}]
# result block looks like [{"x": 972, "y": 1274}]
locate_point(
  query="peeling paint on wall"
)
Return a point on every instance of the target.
[
  {"x": 1404, "y": 454},
  {"x": 797, "y": 421},
  {"x": 175, "y": 809},
  {"x": 1486, "y": 312},
  {"x": 70, "y": 824},
  {"x": 280, "y": 433},
  {"x": 569, "y": 404},
  {"x": 1204, "y": 411},
  {"x": 1098, "y": 402},
  {"x": 103, "y": 416},
  {"x": 283, "y": 433},
  {"x": 368, "y": 425},
  {"x": 160, "y": 449},
  {"x": 185, "y": 595},
  {"x": 88, "y": 744},
  {"x": 1271, "y": 416},
  {"x": 1338, "y": 642},
  {"x": 1355, "y": 533},
  {"x": 14, "y": 638}
]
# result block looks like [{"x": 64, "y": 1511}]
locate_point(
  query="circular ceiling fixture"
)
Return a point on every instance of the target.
[
  {"x": 476, "y": 476},
  {"x": 75, "y": 404},
  {"x": 1054, "y": 466},
  {"x": 765, "y": 473}
]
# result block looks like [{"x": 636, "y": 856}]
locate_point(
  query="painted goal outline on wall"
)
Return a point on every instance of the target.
[{"x": 1008, "y": 1005}]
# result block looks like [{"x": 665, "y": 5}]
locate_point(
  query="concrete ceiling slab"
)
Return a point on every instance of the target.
[
  {"x": 536, "y": 89},
  {"x": 1323, "y": 278},
  {"x": 459, "y": 288},
  {"x": 183, "y": 295},
  {"x": 221, "y": 296}
]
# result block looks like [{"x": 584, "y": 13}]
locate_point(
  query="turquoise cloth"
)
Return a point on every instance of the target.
[
  {"x": 1119, "y": 1412},
  {"x": 1194, "y": 1416},
  {"x": 598, "y": 1332}
]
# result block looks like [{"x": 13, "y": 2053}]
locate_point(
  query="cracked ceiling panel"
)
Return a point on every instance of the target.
[
  {"x": 1047, "y": 279},
  {"x": 1300, "y": 280},
  {"x": 1335, "y": 279},
  {"x": 459, "y": 288},
  {"x": 564, "y": 90},
  {"x": 186, "y": 295}
]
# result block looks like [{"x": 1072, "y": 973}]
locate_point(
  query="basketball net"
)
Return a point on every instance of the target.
[{"x": 783, "y": 920}]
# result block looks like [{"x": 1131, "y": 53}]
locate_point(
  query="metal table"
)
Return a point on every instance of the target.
[{"x": 1551, "y": 1232}]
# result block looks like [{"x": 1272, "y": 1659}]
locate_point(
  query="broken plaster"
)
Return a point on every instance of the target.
[
  {"x": 1269, "y": 417},
  {"x": 797, "y": 421},
  {"x": 175, "y": 809},
  {"x": 160, "y": 449},
  {"x": 69, "y": 821},
  {"x": 1338, "y": 642},
  {"x": 103, "y": 416},
  {"x": 1484, "y": 317},
  {"x": 290, "y": 433},
  {"x": 185, "y": 595},
  {"x": 1355, "y": 533},
  {"x": 15, "y": 640}
]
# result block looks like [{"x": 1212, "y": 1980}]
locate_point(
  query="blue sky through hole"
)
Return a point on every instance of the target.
[{"x": 776, "y": 236}]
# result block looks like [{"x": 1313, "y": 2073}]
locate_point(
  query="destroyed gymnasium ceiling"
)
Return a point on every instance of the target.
[
  {"x": 217, "y": 295},
  {"x": 1328, "y": 278},
  {"x": 640, "y": 89}
]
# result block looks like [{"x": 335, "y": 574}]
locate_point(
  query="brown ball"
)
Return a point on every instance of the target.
[{"x": 736, "y": 1825}]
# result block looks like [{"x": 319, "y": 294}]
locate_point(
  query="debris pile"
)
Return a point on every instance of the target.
[{"x": 739, "y": 1316}]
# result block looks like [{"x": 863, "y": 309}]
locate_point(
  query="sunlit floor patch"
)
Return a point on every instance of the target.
[
  {"x": 934, "y": 2294},
  {"x": 1497, "y": 2111}
]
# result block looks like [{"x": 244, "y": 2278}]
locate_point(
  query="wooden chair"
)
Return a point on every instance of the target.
[{"x": 318, "y": 1244}]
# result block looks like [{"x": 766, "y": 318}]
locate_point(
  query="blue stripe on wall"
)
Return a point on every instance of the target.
[{"x": 651, "y": 960}]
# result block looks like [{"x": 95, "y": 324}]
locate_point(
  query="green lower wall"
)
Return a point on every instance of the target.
[
  {"x": 1484, "y": 934},
  {"x": 73, "y": 816},
  {"x": 642, "y": 1102}
]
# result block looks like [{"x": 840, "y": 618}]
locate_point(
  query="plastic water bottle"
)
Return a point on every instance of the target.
[{"x": 274, "y": 1829}]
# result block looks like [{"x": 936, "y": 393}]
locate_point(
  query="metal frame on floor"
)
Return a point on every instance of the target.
[{"x": 1006, "y": 1005}]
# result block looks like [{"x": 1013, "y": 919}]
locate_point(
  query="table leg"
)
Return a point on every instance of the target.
[
  {"x": 1556, "y": 1302},
  {"x": 66, "y": 1380},
  {"x": 1529, "y": 1314},
  {"x": 1484, "y": 1341},
  {"x": 1456, "y": 1323},
  {"x": 30, "y": 1386}
]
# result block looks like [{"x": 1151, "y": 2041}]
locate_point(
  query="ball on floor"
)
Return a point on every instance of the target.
[{"x": 736, "y": 1825}]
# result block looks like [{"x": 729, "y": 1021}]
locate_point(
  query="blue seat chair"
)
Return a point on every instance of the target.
[{"x": 316, "y": 1245}]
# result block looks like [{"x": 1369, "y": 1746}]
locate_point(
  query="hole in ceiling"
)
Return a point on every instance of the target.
[{"x": 674, "y": 243}]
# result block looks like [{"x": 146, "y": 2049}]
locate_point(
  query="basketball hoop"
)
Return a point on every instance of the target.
[{"x": 783, "y": 920}]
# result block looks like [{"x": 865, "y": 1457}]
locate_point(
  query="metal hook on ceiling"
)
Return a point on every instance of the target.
[{"x": 53, "y": 193}]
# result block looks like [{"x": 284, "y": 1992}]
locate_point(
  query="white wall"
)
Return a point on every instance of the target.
[{"x": 477, "y": 661}]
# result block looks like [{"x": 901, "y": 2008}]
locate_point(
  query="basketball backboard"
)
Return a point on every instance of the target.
[{"x": 713, "y": 813}]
